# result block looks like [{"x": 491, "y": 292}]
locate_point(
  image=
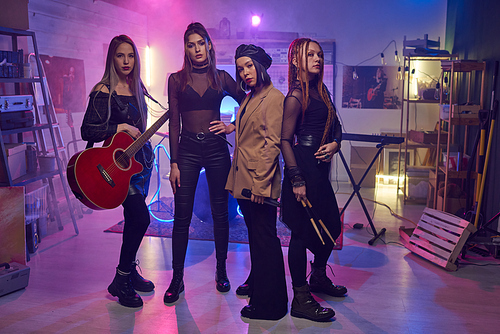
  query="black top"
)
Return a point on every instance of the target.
[
  {"x": 96, "y": 129},
  {"x": 315, "y": 118},
  {"x": 198, "y": 105}
]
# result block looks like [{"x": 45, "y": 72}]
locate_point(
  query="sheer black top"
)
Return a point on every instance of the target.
[
  {"x": 315, "y": 117},
  {"x": 198, "y": 105}
]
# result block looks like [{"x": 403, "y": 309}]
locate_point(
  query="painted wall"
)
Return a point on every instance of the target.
[{"x": 361, "y": 28}]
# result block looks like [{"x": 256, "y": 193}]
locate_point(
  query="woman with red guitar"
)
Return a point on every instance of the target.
[
  {"x": 195, "y": 94},
  {"x": 117, "y": 104}
]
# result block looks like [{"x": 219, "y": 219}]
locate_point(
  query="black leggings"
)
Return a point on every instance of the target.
[
  {"x": 212, "y": 154},
  {"x": 136, "y": 214},
  {"x": 297, "y": 259}
]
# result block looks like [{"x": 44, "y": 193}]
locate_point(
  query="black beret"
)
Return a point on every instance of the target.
[{"x": 255, "y": 52}]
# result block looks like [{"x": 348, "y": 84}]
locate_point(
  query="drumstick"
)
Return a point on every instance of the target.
[
  {"x": 320, "y": 221},
  {"x": 312, "y": 221}
]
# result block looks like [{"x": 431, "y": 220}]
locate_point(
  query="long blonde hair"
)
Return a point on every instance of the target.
[
  {"x": 297, "y": 53},
  {"x": 110, "y": 77}
]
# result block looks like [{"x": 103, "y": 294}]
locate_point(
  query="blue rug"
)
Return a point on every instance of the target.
[{"x": 200, "y": 229}]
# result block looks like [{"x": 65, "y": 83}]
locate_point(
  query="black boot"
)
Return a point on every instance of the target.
[
  {"x": 221, "y": 281},
  {"x": 244, "y": 289},
  {"x": 176, "y": 286},
  {"x": 121, "y": 287},
  {"x": 305, "y": 306},
  {"x": 138, "y": 282},
  {"x": 319, "y": 282}
]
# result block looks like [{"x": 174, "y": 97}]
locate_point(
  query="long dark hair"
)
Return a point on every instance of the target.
[
  {"x": 187, "y": 67},
  {"x": 298, "y": 52},
  {"x": 110, "y": 77}
]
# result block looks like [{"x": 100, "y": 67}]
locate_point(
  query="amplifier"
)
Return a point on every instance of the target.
[
  {"x": 13, "y": 277},
  {"x": 16, "y": 103}
]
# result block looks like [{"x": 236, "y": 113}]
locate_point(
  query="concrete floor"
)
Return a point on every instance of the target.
[{"x": 391, "y": 290}]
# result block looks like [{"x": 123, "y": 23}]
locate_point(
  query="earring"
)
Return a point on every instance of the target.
[
  {"x": 241, "y": 86},
  {"x": 262, "y": 75}
]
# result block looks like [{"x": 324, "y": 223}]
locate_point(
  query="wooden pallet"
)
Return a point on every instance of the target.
[{"x": 438, "y": 237}]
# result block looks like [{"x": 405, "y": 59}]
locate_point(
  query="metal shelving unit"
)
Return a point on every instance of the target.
[{"x": 37, "y": 132}]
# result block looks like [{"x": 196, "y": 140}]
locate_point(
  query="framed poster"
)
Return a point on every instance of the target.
[{"x": 370, "y": 87}]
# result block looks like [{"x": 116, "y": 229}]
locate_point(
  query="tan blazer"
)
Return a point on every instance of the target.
[{"x": 256, "y": 155}]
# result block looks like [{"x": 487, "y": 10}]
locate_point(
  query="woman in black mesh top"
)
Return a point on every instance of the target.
[
  {"x": 124, "y": 110},
  {"x": 310, "y": 117},
  {"x": 195, "y": 94}
]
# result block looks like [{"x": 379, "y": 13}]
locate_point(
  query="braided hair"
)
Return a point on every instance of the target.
[{"x": 297, "y": 56}]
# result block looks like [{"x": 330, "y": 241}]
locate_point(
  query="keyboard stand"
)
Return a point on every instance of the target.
[{"x": 356, "y": 188}]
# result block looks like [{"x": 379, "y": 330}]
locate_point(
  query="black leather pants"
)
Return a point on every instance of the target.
[{"x": 210, "y": 152}]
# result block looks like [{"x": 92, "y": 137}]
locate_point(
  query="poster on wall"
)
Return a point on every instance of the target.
[
  {"x": 371, "y": 87},
  {"x": 66, "y": 79}
]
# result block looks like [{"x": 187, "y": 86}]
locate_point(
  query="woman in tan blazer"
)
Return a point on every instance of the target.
[{"x": 255, "y": 178}]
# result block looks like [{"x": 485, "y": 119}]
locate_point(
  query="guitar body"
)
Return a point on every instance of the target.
[
  {"x": 372, "y": 93},
  {"x": 100, "y": 176}
]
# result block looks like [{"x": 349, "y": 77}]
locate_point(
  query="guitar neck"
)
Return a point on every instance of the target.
[{"x": 139, "y": 142}]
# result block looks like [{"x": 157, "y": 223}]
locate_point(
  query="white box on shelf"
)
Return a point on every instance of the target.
[{"x": 16, "y": 160}]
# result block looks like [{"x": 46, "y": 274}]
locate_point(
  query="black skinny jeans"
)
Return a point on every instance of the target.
[
  {"x": 136, "y": 214},
  {"x": 212, "y": 154}
]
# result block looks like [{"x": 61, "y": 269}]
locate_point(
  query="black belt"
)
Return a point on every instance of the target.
[
  {"x": 204, "y": 135},
  {"x": 308, "y": 140}
]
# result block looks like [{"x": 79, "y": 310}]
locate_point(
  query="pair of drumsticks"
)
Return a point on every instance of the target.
[{"x": 312, "y": 216}]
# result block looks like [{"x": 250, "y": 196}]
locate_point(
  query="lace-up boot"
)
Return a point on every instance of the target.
[
  {"x": 319, "y": 282},
  {"x": 121, "y": 287},
  {"x": 138, "y": 282},
  {"x": 176, "y": 286},
  {"x": 305, "y": 306},
  {"x": 221, "y": 281}
]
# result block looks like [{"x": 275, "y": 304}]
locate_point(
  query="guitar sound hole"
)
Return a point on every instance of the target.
[{"x": 122, "y": 160}]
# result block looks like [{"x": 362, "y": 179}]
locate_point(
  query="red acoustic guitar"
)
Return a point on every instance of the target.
[
  {"x": 100, "y": 176},
  {"x": 373, "y": 92}
]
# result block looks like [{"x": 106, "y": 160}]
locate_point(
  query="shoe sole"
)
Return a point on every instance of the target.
[
  {"x": 222, "y": 290},
  {"x": 296, "y": 314},
  {"x": 113, "y": 292},
  {"x": 239, "y": 293}
]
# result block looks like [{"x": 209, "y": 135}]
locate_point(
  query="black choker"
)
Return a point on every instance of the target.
[
  {"x": 201, "y": 65},
  {"x": 200, "y": 70}
]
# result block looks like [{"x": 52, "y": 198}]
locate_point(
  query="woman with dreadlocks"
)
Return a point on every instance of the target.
[{"x": 310, "y": 117}]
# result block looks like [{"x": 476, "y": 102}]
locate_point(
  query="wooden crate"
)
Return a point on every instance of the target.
[
  {"x": 427, "y": 137},
  {"x": 465, "y": 111},
  {"x": 438, "y": 237}
]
